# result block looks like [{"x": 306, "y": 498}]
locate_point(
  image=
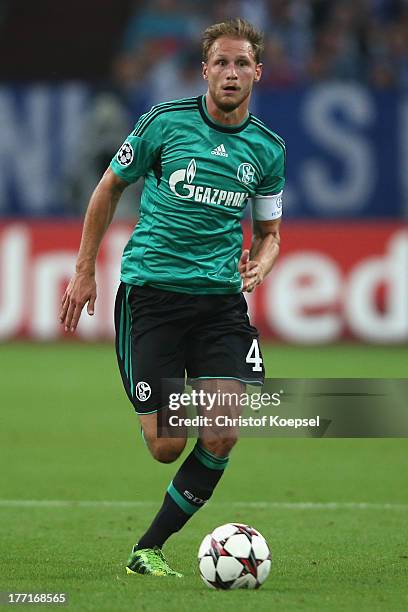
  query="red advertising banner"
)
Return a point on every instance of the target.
[{"x": 332, "y": 280}]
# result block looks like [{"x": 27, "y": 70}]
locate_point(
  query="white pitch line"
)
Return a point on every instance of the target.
[{"x": 63, "y": 503}]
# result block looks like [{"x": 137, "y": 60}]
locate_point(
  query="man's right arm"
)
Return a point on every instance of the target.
[{"x": 81, "y": 289}]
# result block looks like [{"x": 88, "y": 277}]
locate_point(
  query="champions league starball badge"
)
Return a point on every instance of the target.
[{"x": 125, "y": 154}]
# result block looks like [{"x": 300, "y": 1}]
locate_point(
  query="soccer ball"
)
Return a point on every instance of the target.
[{"x": 234, "y": 556}]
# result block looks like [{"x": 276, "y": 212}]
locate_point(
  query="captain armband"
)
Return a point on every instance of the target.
[{"x": 267, "y": 208}]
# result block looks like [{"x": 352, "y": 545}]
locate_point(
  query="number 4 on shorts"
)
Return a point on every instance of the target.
[{"x": 254, "y": 356}]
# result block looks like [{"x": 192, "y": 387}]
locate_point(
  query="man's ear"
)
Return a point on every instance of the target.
[
  {"x": 204, "y": 70},
  {"x": 258, "y": 73}
]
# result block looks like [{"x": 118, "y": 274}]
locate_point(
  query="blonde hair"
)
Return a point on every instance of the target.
[{"x": 234, "y": 28}]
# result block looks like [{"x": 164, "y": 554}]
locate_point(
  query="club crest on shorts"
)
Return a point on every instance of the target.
[
  {"x": 143, "y": 391},
  {"x": 125, "y": 154}
]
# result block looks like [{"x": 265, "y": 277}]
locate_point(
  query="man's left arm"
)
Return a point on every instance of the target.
[
  {"x": 255, "y": 264},
  {"x": 266, "y": 208}
]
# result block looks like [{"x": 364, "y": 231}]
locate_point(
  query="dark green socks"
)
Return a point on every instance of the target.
[{"x": 192, "y": 486}]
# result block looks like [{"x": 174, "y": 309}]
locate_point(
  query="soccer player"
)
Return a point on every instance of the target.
[{"x": 180, "y": 309}]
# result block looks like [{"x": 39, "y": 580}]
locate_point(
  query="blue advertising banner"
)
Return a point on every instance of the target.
[{"x": 347, "y": 148}]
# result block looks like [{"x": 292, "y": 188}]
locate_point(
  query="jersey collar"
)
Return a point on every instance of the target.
[{"x": 220, "y": 127}]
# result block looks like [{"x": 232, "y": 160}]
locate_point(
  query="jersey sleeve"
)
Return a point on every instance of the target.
[
  {"x": 140, "y": 150},
  {"x": 267, "y": 203},
  {"x": 274, "y": 179}
]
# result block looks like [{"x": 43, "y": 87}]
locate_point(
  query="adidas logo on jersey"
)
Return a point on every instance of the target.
[{"x": 220, "y": 150}]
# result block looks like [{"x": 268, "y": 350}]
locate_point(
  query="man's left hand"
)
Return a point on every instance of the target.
[{"x": 252, "y": 272}]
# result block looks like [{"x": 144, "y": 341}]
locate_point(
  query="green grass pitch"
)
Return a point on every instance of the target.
[{"x": 68, "y": 435}]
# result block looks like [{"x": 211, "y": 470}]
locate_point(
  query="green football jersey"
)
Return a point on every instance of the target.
[{"x": 198, "y": 175}]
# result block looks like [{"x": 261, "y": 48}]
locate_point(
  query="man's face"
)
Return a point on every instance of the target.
[{"x": 231, "y": 71}]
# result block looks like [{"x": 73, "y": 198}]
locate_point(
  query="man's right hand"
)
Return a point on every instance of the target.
[{"x": 81, "y": 290}]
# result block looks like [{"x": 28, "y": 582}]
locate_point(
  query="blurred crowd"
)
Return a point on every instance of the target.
[
  {"x": 306, "y": 41},
  {"x": 131, "y": 54}
]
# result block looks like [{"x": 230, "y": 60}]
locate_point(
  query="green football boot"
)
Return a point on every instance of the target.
[{"x": 149, "y": 561}]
